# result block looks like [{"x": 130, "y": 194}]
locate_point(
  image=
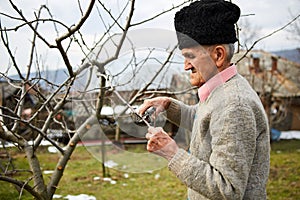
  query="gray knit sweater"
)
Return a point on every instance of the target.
[{"x": 229, "y": 149}]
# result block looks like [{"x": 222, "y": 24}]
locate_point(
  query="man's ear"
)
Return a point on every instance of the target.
[{"x": 219, "y": 55}]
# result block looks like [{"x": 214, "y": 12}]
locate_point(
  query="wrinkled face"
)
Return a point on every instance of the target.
[{"x": 198, "y": 60}]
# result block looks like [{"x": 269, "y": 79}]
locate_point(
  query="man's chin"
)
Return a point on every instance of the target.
[{"x": 196, "y": 83}]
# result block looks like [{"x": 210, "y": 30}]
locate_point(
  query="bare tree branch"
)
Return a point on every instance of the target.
[
  {"x": 5, "y": 40},
  {"x": 266, "y": 36},
  {"x": 71, "y": 32},
  {"x": 22, "y": 184},
  {"x": 29, "y": 24},
  {"x": 161, "y": 13}
]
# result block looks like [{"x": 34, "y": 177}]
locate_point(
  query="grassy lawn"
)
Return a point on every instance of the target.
[
  {"x": 80, "y": 176},
  {"x": 284, "y": 179}
]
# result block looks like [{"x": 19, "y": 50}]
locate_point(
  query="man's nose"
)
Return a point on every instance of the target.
[{"x": 187, "y": 64}]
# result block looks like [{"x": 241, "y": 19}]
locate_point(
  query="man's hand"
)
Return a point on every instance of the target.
[
  {"x": 159, "y": 103},
  {"x": 160, "y": 143}
]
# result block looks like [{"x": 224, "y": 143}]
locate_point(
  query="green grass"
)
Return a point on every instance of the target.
[{"x": 284, "y": 180}]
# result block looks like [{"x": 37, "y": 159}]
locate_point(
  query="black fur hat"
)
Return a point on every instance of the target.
[{"x": 206, "y": 22}]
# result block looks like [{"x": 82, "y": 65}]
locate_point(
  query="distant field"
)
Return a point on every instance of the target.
[{"x": 84, "y": 171}]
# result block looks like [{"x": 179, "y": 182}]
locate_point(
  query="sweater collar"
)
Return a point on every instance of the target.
[{"x": 217, "y": 80}]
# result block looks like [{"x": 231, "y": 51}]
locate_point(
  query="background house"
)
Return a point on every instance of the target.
[
  {"x": 10, "y": 95},
  {"x": 277, "y": 81}
]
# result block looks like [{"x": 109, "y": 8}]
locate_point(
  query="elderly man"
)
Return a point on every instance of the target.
[{"x": 229, "y": 150}]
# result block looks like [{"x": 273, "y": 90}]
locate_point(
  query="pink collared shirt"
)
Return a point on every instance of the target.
[{"x": 219, "y": 79}]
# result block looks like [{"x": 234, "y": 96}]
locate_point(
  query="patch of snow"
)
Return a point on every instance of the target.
[
  {"x": 110, "y": 164},
  {"x": 80, "y": 197},
  {"x": 7, "y": 144},
  {"x": 97, "y": 178},
  {"x": 157, "y": 176},
  {"x": 57, "y": 196},
  {"x": 290, "y": 135},
  {"x": 126, "y": 175},
  {"x": 52, "y": 149},
  {"x": 106, "y": 110},
  {"x": 48, "y": 172},
  {"x": 107, "y": 179},
  {"x": 43, "y": 143}
]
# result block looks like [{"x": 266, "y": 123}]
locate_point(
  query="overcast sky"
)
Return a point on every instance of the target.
[{"x": 268, "y": 16}]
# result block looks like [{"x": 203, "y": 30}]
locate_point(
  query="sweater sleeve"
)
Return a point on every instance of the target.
[
  {"x": 225, "y": 174},
  {"x": 181, "y": 114}
]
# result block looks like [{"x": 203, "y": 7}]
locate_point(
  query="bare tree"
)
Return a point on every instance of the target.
[
  {"x": 247, "y": 32},
  {"x": 257, "y": 40},
  {"x": 294, "y": 28},
  {"x": 27, "y": 126},
  {"x": 32, "y": 105}
]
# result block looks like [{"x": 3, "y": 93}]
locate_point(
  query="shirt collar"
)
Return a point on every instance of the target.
[{"x": 219, "y": 79}]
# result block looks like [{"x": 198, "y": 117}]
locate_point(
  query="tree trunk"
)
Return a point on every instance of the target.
[{"x": 39, "y": 185}]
